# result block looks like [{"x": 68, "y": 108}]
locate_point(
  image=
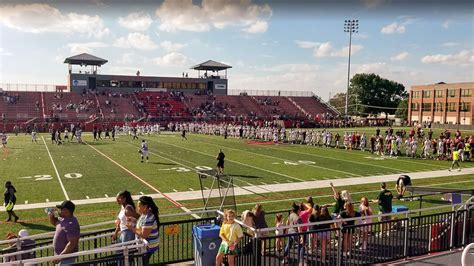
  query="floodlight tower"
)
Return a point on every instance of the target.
[{"x": 350, "y": 26}]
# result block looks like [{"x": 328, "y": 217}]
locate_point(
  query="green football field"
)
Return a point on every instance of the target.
[{"x": 93, "y": 173}]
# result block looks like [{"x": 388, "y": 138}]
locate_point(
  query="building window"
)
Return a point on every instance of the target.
[
  {"x": 452, "y": 93},
  {"x": 426, "y": 94},
  {"x": 438, "y": 107},
  {"x": 439, "y": 94},
  {"x": 426, "y": 107},
  {"x": 465, "y": 107},
  {"x": 451, "y": 107},
  {"x": 466, "y": 93},
  {"x": 416, "y": 94},
  {"x": 414, "y": 106}
]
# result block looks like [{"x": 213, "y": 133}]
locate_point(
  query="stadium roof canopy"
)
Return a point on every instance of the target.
[
  {"x": 85, "y": 59},
  {"x": 211, "y": 65}
]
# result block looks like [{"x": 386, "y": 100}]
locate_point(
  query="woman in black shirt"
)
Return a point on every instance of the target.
[{"x": 349, "y": 212}]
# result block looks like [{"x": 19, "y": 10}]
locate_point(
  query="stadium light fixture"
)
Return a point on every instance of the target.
[{"x": 350, "y": 26}]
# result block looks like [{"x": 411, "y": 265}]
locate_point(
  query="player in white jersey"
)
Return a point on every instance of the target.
[
  {"x": 4, "y": 140},
  {"x": 33, "y": 136},
  {"x": 144, "y": 150}
]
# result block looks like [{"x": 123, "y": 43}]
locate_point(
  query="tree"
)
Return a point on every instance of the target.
[
  {"x": 376, "y": 94},
  {"x": 402, "y": 110},
  {"x": 338, "y": 101}
]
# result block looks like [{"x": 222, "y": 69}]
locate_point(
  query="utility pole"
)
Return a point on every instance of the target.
[{"x": 350, "y": 26}]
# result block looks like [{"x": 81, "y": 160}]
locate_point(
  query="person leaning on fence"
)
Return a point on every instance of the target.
[
  {"x": 384, "y": 199},
  {"x": 68, "y": 232},
  {"x": 365, "y": 210},
  {"x": 293, "y": 220},
  {"x": 347, "y": 230},
  {"x": 147, "y": 226},
  {"x": 231, "y": 234},
  {"x": 10, "y": 200},
  {"x": 260, "y": 223},
  {"x": 402, "y": 182}
]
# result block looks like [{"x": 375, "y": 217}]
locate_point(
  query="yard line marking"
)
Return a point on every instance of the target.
[
  {"x": 278, "y": 158},
  {"x": 244, "y": 164},
  {"x": 315, "y": 179},
  {"x": 87, "y": 197},
  {"x": 47, "y": 200},
  {"x": 175, "y": 190},
  {"x": 175, "y": 203},
  {"x": 263, "y": 183},
  {"x": 141, "y": 193},
  {"x": 191, "y": 189},
  {"x": 193, "y": 169},
  {"x": 276, "y": 182},
  {"x": 206, "y": 188},
  {"x": 106, "y": 195},
  {"x": 314, "y": 155},
  {"x": 326, "y": 178},
  {"x": 56, "y": 169}
]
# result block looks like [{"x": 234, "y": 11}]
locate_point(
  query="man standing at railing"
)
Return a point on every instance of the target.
[
  {"x": 68, "y": 232},
  {"x": 384, "y": 199}
]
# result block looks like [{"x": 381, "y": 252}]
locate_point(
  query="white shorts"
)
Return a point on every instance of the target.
[{"x": 144, "y": 153}]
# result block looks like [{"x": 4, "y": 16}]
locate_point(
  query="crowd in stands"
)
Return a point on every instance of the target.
[{"x": 10, "y": 98}]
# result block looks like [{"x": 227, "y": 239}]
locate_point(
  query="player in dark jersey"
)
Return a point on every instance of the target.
[
  {"x": 183, "y": 134},
  {"x": 220, "y": 162}
]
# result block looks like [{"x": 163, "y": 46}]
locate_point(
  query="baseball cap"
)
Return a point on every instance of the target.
[{"x": 67, "y": 204}]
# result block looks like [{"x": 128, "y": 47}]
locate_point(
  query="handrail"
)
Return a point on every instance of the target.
[
  {"x": 50, "y": 234},
  {"x": 140, "y": 246},
  {"x": 465, "y": 253}
]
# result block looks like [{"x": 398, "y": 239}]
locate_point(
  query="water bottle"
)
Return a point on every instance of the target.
[{"x": 49, "y": 210}]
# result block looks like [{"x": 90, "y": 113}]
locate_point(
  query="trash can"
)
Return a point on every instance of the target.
[
  {"x": 206, "y": 244},
  {"x": 399, "y": 208}
]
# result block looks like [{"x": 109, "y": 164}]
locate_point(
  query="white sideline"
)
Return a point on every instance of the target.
[
  {"x": 56, "y": 169},
  {"x": 248, "y": 190}
]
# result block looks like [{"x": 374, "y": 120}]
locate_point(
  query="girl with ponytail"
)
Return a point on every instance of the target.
[
  {"x": 147, "y": 226},
  {"x": 127, "y": 214}
]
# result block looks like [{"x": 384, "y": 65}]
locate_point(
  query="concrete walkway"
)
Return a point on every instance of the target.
[{"x": 261, "y": 189}]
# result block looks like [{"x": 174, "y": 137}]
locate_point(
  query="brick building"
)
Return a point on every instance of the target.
[{"x": 442, "y": 103}]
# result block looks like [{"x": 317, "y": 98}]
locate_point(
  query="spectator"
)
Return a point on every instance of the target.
[
  {"x": 339, "y": 204},
  {"x": 365, "y": 210},
  {"x": 26, "y": 244},
  {"x": 279, "y": 231},
  {"x": 384, "y": 199},
  {"x": 147, "y": 226},
  {"x": 293, "y": 221},
  {"x": 231, "y": 234},
  {"x": 260, "y": 222},
  {"x": 348, "y": 232},
  {"x": 11, "y": 248},
  {"x": 324, "y": 234},
  {"x": 10, "y": 200},
  {"x": 126, "y": 215},
  {"x": 68, "y": 232},
  {"x": 402, "y": 182}
]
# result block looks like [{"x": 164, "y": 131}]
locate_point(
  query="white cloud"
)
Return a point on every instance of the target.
[
  {"x": 257, "y": 27},
  {"x": 463, "y": 58},
  {"x": 88, "y": 47},
  {"x": 183, "y": 15},
  {"x": 307, "y": 44},
  {"x": 172, "y": 47},
  {"x": 446, "y": 24},
  {"x": 450, "y": 44},
  {"x": 136, "y": 40},
  {"x": 393, "y": 28},
  {"x": 399, "y": 57},
  {"x": 137, "y": 21},
  {"x": 42, "y": 18},
  {"x": 327, "y": 49},
  {"x": 4, "y": 53},
  {"x": 171, "y": 59}
]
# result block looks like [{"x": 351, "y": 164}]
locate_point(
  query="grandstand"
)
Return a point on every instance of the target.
[{"x": 93, "y": 97}]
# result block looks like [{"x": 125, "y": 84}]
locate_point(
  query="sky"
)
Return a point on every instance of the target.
[{"x": 271, "y": 45}]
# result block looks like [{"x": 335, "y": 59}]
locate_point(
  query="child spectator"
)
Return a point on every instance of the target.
[
  {"x": 279, "y": 231},
  {"x": 231, "y": 234}
]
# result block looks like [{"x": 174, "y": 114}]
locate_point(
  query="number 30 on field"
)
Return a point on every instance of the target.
[{"x": 49, "y": 177}]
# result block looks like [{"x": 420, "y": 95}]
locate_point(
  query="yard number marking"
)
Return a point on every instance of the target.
[{"x": 49, "y": 177}]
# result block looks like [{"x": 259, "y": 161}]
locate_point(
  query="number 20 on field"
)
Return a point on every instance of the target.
[{"x": 49, "y": 177}]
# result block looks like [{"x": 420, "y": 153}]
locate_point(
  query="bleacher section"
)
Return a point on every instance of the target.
[
  {"x": 118, "y": 107},
  {"x": 163, "y": 106},
  {"x": 312, "y": 106},
  {"x": 278, "y": 106},
  {"x": 70, "y": 106},
  {"x": 25, "y": 106}
]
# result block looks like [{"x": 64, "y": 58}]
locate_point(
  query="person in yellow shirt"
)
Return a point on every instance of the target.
[
  {"x": 231, "y": 234},
  {"x": 455, "y": 160}
]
